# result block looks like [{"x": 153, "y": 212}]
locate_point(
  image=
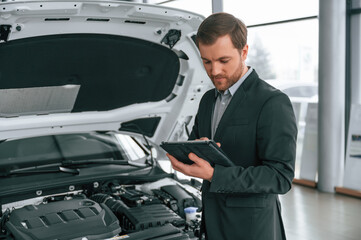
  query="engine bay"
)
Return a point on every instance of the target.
[{"x": 108, "y": 210}]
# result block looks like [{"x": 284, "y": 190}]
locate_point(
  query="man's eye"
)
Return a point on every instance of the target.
[
  {"x": 206, "y": 62},
  {"x": 224, "y": 61}
]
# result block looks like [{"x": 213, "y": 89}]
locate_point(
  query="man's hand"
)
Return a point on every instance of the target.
[{"x": 200, "y": 168}]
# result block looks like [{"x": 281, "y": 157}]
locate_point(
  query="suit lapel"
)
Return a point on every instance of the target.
[
  {"x": 208, "y": 115},
  {"x": 236, "y": 100}
]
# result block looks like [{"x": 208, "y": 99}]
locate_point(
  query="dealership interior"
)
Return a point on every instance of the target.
[
  {"x": 308, "y": 49},
  {"x": 311, "y": 50}
]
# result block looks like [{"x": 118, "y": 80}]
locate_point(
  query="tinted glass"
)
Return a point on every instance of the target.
[{"x": 56, "y": 148}]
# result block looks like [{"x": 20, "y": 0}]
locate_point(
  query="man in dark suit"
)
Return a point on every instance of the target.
[{"x": 254, "y": 124}]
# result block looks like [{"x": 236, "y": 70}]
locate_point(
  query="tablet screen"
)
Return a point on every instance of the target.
[{"x": 206, "y": 149}]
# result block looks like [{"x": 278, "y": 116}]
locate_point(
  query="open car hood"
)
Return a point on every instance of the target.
[{"x": 70, "y": 66}]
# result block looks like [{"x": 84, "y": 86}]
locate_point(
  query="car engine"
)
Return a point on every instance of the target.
[{"x": 113, "y": 211}]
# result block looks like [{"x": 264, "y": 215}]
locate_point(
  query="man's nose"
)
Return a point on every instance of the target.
[{"x": 216, "y": 68}]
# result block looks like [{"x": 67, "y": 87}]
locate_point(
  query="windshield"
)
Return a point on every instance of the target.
[{"x": 75, "y": 147}]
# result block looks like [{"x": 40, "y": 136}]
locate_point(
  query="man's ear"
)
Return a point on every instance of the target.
[{"x": 244, "y": 52}]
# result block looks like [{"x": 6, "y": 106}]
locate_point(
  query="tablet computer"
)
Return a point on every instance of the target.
[{"x": 206, "y": 149}]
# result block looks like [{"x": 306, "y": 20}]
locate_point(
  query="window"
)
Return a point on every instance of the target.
[
  {"x": 283, "y": 49},
  {"x": 287, "y": 51},
  {"x": 265, "y": 11}
]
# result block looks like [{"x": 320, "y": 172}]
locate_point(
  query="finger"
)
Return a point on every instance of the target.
[
  {"x": 175, "y": 168},
  {"x": 176, "y": 164},
  {"x": 204, "y": 138},
  {"x": 219, "y": 144},
  {"x": 195, "y": 158},
  {"x": 172, "y": 160}
]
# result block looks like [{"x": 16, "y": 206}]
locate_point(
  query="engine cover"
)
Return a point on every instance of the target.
[
  {"x": 70, "y": 219},
  {"x": 147, "y": 216}
]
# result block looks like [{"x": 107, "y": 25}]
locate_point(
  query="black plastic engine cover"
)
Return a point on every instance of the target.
[
  {"x": 69, "y": 219},
  {"x": 147, "y": 216}
]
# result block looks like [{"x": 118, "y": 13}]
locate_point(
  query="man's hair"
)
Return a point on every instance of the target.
[{"x": 220, "y": 24}]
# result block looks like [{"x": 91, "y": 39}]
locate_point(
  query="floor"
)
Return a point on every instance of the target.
[{"x": 312, "y": 215}]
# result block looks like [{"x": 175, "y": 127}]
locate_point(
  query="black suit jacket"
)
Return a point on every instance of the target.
[{"x": 258, "y": 132}]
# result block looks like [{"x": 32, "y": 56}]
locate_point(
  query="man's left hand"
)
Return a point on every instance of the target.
[{"x": 200, "y": 168}]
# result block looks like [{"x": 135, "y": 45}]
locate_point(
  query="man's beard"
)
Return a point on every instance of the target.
[{"x": 230, "y": 80}]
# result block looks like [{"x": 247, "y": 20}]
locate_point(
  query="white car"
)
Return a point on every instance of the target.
[
  {"x": 88, "y": 91},
  {"x": 296, "y": 89},
  {"x": 301, "y": 94}
]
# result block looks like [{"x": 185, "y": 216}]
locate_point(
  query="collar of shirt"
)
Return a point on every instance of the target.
[{"x": 235, "y": 86}]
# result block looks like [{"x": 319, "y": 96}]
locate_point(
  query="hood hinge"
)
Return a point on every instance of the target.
[{"x": 172, "y": 37}]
